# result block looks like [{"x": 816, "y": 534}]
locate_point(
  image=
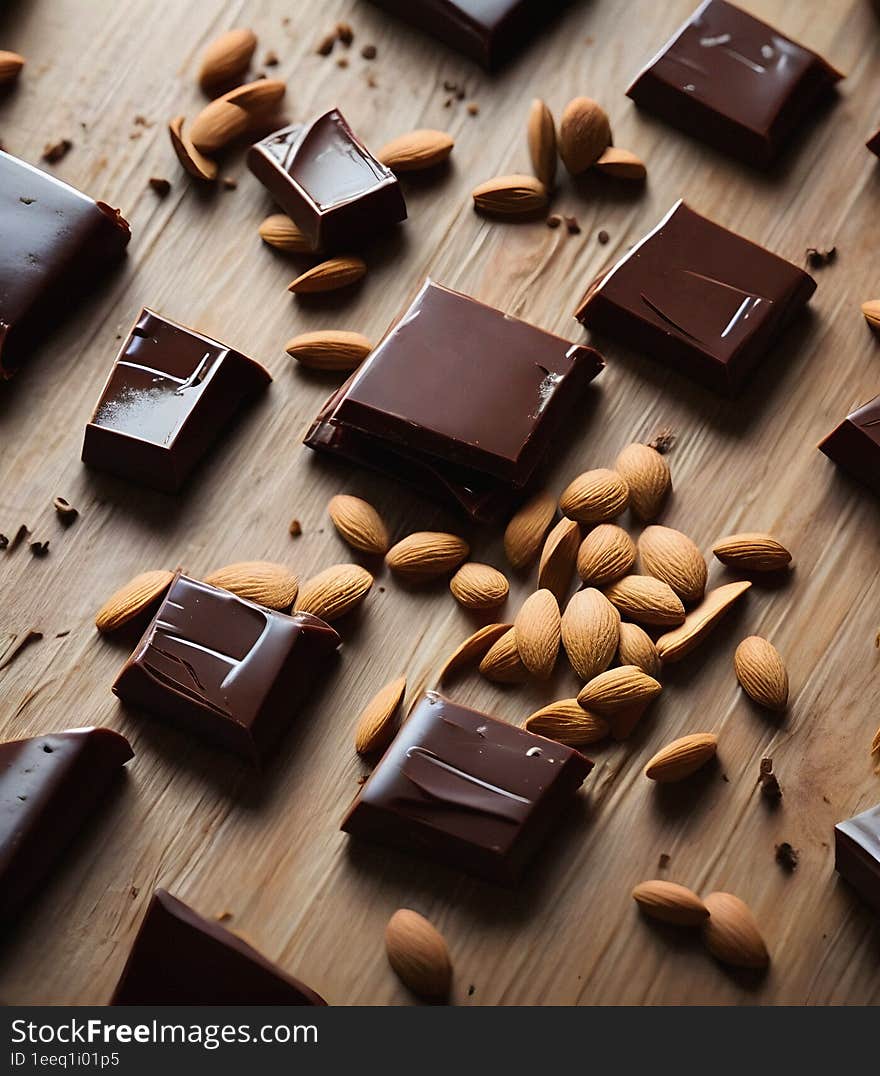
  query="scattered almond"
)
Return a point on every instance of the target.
[
  {"x": 584, "y": 134},
  {"x": 230, "y": 116},
  {"x": 646, "y": 600},
  {"x": 617, "y": 689},
  {"x": 376, "y": 724},
  {"x": 647, "y": 475},
  {"x": 279, "y": 231},
  {"x": 620, "y": 164},
  {"x": 329, "y": 275},
  {"x": 525, "y": 532},
  {"x": 682, "y": 757},
  {"x": 871, "y": 310},
  {"x": 510, "y": 196},
  {"x": 329, "y": 349},
  {"x": 731, "y": 932},
  {"x": 416, "y": 150},
  {"x": 636, "y": 647},
  {"x": 541, "y": 137},
  {"x": 752, "y": 552},
  {"x": 606, "y": 554},
  {"x": 473, "y": 648},
  {"x": 194, "y": 162},
  {"x": 335, "y": 591},
  {"x": 670, "y": 903},
  {"x": 567, "y": 722},
  {"x": 762, "y": 673},
  {"x": 359, "y": 524},
  {"x": 676, "y": 644},
  {"x": 11, "y": 64},
  {"x": 226, "y": 59},
  {"x": 590, "y": 632},
  {"x": 417, "y": 952},
  {"x": 669, "y": 555},
  {"x": 259, "y": 581},
  {"x": 537, "y": 626},
  {"x": 133, "y": 599},
  {"x": 479, "y": 586},
  {"x": 502, "y": 662},
  {"x": 595, "y": 496},
  {"x": 558, "y": 556},
  {"x": 426, "y": 555}
]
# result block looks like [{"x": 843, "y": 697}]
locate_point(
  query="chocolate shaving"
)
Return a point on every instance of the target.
[
  {"x": 65, "y": 510},
  {"x": 786, "y": 856},
  {"x": 817, "y": 258},
  {"x": 17, "y": 643},
  {"x": 159, "y": 185},
  {"x": 770, "y": 787},
  {"x": 663, "y": 440},
  {"x": 54, "y": 151}
]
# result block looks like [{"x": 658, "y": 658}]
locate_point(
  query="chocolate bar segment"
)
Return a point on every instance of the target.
[
  {"x": 171, "y": 394},
  {"x": 223, "y": 668},
  {"x": 467, "y": 790},
  {"x": 328, "y": 182},
  {"x": 181, "y": 958},
  {"x": 857, "y": 854},
  {"x": 734, "y": 82},
  {"x": 49, "y": 786},
  {"x": 703, "y": 300},
  {"x": 855, "y": 444},
  {"x": 55, "y": 245}
]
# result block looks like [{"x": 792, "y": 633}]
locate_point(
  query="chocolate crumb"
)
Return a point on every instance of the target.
[
  {"x": 770, "y": 787},
  {"x": 271, "y": 58},
  {"x": 295, "y": 528},
  {"x": 230, "y": 183},
  {"x": 817, "y": 258},
  {"x": 473, "y": 108},
  {"x": 825, "y": 799},
  {"x": 459, "y": 93},
  {"x": 786, "y": 856},
  {"x": 449, "y": 86},
  {"x": 133, "y": 136},
  {"x": 663, "y": 440},
  {"x": 223, "y": 917},
  {"x": 4, "y": 541},
  {"x": 16, "y": 644},
  {"x": 54, "y": 151},
  {"x": 40, "y": 549},
  {"x": 325, "y": 45},
  {"x": 369, "y": 52},
  {"x": 66, "y": 512},
  {"x": 342, "y": 61},
  {"x": 663, "y": 861},
  {"x": 877, "y": 640},
  {"x": 142, "y": 121},
  {"x": 19, "y": 536},
  {"x": 362, "y": 780},
  {"x": 603, "y": 237},
  {"x": 62, "y": 634},
  {"x": 371, "y": 81},
  {"x": 345, "y": 33},
  {"x": 159, "y": 185},
  {"x": 554, "y": 220},
  {"x": 471, "y": 990},
  {"x": 447, "y": 103},
  {"x": 572, "y": 226},
  {"x": 26, "y": 201},
  {"x": 134, "y": 891}
]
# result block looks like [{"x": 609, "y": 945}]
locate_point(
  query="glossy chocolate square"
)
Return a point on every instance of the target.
[
  {"x": 703, "y": 300},
  {"x": 328, "y": 182},
  {"x": 857, "y": 854},
  {"x": 855, "y": 444},
  {"x": 733, "y": 81},
  {"x": 465, "y": 789},
  {"x": 223, "y": 668},
  {"x": 171, "y": 393}
]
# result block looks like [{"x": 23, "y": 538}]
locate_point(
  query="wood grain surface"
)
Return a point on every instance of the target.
[{"x": 268, "y": 848}]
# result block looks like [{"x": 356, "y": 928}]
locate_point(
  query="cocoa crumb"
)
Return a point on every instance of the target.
[
  {"x": 159, "y": 185},
  {"x": 295, "y": 528},
  {"x": 223, "y": 917},
  {"x": 786, "y": 856},
  {"x": 362, "y": 779},
  {"x": 4, "y": 541},
  {"x": 471, "y": 990},
  {"x": 603, "y": 237},
  {"x": 19, "y": 536},
  {"x": 325, "y": 45},
  {"x": 133, "y": 136},
  {"x": 142, "y": 121},
  {"x": 770, "y": 787},
  {"x": 65, "y": 510},
  {"x": 663, "y": 440},
  {"x": 134, "y": 891},
  {"x": 230, "y": 183},
  {"x": 817, "y": 258},
  {"x": 369, "y": 52},
  {"x": 16, "y": 644},
  {"x": 371, "y": 81},
  {"x": 54, "y": 151},
  {"x": 450, "y": 86},
  {"x": 342, "y": 61},
  {"x": 663, "y": 861},
  {"x": 554, "y": 220},
  {"x": 473, "y": 108},
  {"x": 572, "y": 226},
  {"x": 447, "y": 103},
  {"x": 271, "y": 59},
  {"x": 344, "y": 33},
  {"x": 40, "y": 549}
]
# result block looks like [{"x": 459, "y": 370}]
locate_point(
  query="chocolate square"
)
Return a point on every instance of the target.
[
  {"x": 733, "y": 81},
  {"x": 171, "y": 393},
  {"x": 855, "y": 444},
  {"x": 228, "y": 670},
  {"x": 704, "y": 300},
  {"x": 55, "y": 245},
  {"x": 857, "y": 854},
  {"x": 327, "y": 181},
  {"x": 468, "y": 790}
]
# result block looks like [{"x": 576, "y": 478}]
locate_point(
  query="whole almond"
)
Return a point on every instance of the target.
[
  {"x": 416, "y": 150},
  {"x": 731, "y": 932},
  {"x": 621, "y": 164},
  {"x": 646, "y": 600},
  {"x": 567, "y": 722},
  {"x": 871, "y": 311},
  {"x": 590, "y": 632},
  {"x": 595, "y": 496},
  {"x": 558, "y": 556},
  {"x": 682, "y": 757},
  {"x": 670, "y": 903},
  {"x": 376, "y": 724},
  {"x": 11, "y": 64},
  {"x": 259, "y": 97},
  {"x": 679, "y": 642},
  {"x": 647, "y": 475},
  {"x": 669, "y": 555},
  {"x": 426, "y": 555},
  {"x": 359, "y": 524},
  {"x": 502, "y": 662},
  {"x": 472, "y": 649},
  {"x": 329, "y": 275},
  {"x": 584, "y": 134},
  {"x": 762, "y": 673},
  {"x": 510, "y": 196},
  {"x": 752, "y": 552},
  {"x": 226, "y": 59},
  {"x": 478, "y": 586},
  {"x": 134, "y": 598},
  {"x": 259, "y": 581},
  {"x": 329, "y": 349},
  {"x": 196, "y": 163},
  {"x": 606, "y": 554},
  {"x": 636, "y": 647},
  {"x": 538, "y": 633},
  {"x": 541, "y": 137},
  {"x": 230, "y": 116},
  {"x": 418, "y": 954},
  {"x": 525, "y": 532},
  {"x": 279, "y": 231},
  {"x": 335, "y": 591},
  {"x": 617, "y": 689}
]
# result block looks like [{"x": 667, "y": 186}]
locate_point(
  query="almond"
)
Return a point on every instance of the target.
[
  {"x": 752, "y": 552},
  {"x": 558, "y": 556},
  {"x": 359, "y": 524},
  {"x": 416, "y": 150},
  {"x": 537, "y": 626},
  {"x": 567, "y": 722},
  {"x": 670, "y": 903},
  {"x": 510, "y": 196},
  {"x": 259, "y": 581},
  {"x": 871, "y": 309},
  {"x": 329, "y": 349},
  {"x": 646, "y": 600},
  {"x": 875, "y": 751},
  {"x": 590, "y": 631},
  {"x": 473, "y": 648},
  {"x": 761, "y": 671},
  {"x": 329, "y": 275},
  {"x": 595, "y": 496},
  {"x": 502, "y": 662},
  {"x": 620, "y": 164},
  {"x": 226, "y": 59},
  {"x": 197, "y": 164},
  {"x": 479, "y": 586},
  {"x": 731, "y": 933},
  {"x": 541, "y": 137},
  {"x": 669, "y": 555},
  {"x": 617, "y": 689},
  {"x": 636, "y": 647},
  {"x": 11, "y": 64},
  {"x": 676, "y": 644},
  {"x": 584, "y": 134},
  {"x": 279, "y": 231},
  {"x": 230, "y": 116},
  {"x": 525, "y": 532},
  {"x": 647, "y": 475},
  {"x": 426, "y": 554},
  {"x": 682, "y": 757},
  {"x": 376, "y": 724},
  {"x": 258, "y": 97},
  {"x": 417, "y": 952},
  {"x": 134, "y": 598},
  {"x": 335, "y": 591},
  {"x": 606, "y": 554}
]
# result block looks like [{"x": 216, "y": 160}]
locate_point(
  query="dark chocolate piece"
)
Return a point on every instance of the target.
[
  {"x": 171, "y": 393},
  {"x": 873, "y": 144},
  {"x": 857, "y": 854},
  {"x": 49, "y": 785},
  {"x": 458, "y": 397},
  {"x": 224, "y": 668},
  {"x": 328, "y": 182},
  {"x": 55, "y": 244},
  {"x": 855, "y": 444},
  {"x": 180, "y": 958},
  {"x": 704, "y": 300},
  {"x": 488, "y": 31},
  {"x": 466, "y": 789},
  {"x": 732, "y": 81}
]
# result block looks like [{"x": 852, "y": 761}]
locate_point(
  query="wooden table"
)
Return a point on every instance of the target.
[{"x": 268, "y": 849}]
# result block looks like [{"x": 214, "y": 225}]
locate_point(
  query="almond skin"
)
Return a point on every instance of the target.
[
  {"x": 606, "y": 554},
  {"x": 670, "y": 903},
  {"x": 617, "y": 689},
  {"x": 133, "y": 599},
  {"x": 195, "y": 163},
  {"x": 329, "y": 275},
  {"x": 679, "y": 642},
  {"x": 502, "y": 662},
  {"x": 646, "y": 600},
  {"x": 525, "y": 532},
  {"x": 226, "y": 59},
  {"x": 329, "y": 349},
  {"x": 761, "y": 672},
  {"x": 376, "y": 725},
  {"x": 11, "y": 64},
  {"x": 567, "y": 722},
  {"x": 510, "y": 196},
  {"x": 541, "y": 137},
  {"x": 335, "y": 591},
  {"x": 731, "y": 932},
  {"x": 479, "y": 586},
  {"x": 752, "y": 552},
  {"x": 472, "y": 649},
  {"x": 558, "y": 556},
  {"x": 538, "y": 632},
  {"x": 359, "y": 524},
  {"x": 584, "y": 134},
  {"x": 259, "y": 581},
  {"x": 426, "y": 555},
  {"x": 590, "y": 632},
  {"x": 621, "y": 164},
  {"x": 682, "y": 757},
  {"x": 669, "y": 555},
  {"x": 279, "y": 231},
  {"x": 595, "y": 496},
  {"x": 647, "y": 475},
  {"x": 418, "y": 954},
  {"x": 416, "y": 150},
  {"x": 636, "y": 647}
]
